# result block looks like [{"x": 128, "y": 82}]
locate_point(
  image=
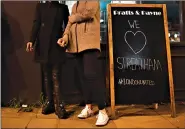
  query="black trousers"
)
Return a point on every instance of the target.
[
  {"x": 91, "y": 77},
  {"x": 52, "y": 77}
]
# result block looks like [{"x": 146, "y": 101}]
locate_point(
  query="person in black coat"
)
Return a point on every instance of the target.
[{"x": 48, "y": 26}]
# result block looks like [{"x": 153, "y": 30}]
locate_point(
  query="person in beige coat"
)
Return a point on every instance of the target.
[{"x": 82, "y": 39}]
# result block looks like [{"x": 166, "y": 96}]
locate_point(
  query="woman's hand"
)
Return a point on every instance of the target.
[
  {"x": 72, "y": 19},
  {"x": 63, "y": 41}
]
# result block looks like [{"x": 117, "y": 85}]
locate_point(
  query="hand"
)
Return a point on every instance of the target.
[
  {"x": 29, "y": 47},
  {"x": 63, "y": 41},
  {"x": 72, "y": 19}
]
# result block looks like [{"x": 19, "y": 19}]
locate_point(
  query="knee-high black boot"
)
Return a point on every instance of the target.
[
  {"x": 48, "y": 107},
  {"x": 59, "y": 105}
]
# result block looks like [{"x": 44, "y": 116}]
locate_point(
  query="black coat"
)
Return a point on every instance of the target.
[{"x": 50, "y": 21}]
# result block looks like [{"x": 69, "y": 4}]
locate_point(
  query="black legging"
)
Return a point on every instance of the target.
[
  {"x": 90, "y": 73},
  {"x": 52, "y": 81}
]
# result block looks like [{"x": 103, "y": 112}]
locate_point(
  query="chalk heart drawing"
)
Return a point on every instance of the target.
[{"x": 137, "y": 32}]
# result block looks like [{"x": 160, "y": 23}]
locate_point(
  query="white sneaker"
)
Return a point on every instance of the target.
[
  {"x": 102, "y": 118},
  {"x": 85, "y": 113}
]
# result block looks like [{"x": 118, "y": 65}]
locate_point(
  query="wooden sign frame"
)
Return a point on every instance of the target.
[{"x": 111, "y": 60}]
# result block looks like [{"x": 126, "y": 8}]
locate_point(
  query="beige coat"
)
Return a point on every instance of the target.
[{"x": 83, "y": 28}]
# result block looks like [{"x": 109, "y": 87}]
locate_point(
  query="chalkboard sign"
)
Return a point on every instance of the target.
[{"x": 139, "y": 52}]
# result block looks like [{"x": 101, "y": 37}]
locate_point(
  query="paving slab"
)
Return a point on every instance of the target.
[
  {"x": 42, "y": 116},
  {"x": 179, "y": 121},
  {"x": 130, "y": 116},
  {"x": 42, "y": 123},
  {"x": 10, "y": 112},
  {"x": 143, "y": 122},
  {"x": 83, "y": 123},
  {"x": 74, "y": 124},
  {"x": 165, "y": 112},
  {"x": 32, "y": 114},
  {"x": 15, "y": 122}
]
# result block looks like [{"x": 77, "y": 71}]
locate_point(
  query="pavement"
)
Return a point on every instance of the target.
[{"x": 128, "y": 116}]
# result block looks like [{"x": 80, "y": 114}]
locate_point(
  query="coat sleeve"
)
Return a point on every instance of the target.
[
  {"x": 87, "y": 14},
  {"x": 36, "y": 24}
]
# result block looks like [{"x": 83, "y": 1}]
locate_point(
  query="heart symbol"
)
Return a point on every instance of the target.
[{"x": 137, "y": 32}]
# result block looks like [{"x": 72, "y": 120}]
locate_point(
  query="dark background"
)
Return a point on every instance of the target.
[
  {"x": 153, "y": 28},
  {"x": 20, "y": 76}
]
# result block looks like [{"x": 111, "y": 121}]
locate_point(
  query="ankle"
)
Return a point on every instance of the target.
[
  {"x": 103, "y": 111},
  {"x": 89, "y": 106}
]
